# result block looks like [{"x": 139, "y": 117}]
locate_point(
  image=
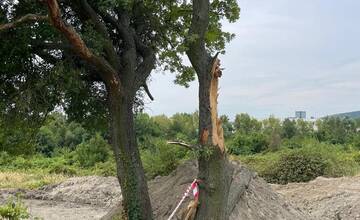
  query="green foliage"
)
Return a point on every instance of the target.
[
  {"x": 107, "y": 168},
  {"x": 355, "y": 142},
  {"x": 245, "y": 124},
  {"x": 14, "y": 210},
  {"x": 335, "y": 130},
  {"x": 162, "y": 158},
  {"x": 184, "y": 126},
  {"x": 288, "y": 128},
  {"x": 312, "y": 159},
  {"x": 58, "y": 133},
  {"x": 17, "y": 137},
  {"x": 63, "y": 169},
  {"x": 227, "y": 126},
  {"x": 296, "y": 167},
  {"x": 248, "y": 144},
  {"x": 93, "y": 151}
]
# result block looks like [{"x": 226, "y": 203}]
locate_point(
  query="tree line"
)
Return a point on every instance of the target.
[{"x": 244, "y": 135}]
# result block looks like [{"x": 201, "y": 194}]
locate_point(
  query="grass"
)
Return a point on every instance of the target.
[{"x": 25, "y": 180}]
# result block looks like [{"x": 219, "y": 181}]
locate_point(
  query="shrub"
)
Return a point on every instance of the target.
[
  {"x": 306, "y": 163},
  {"x": 5, "y": 158},
  {"x": 14, "y": 210},
  {"x": 161, "y": 159},
  {"x": 107, "y": 168},
  {"x": 296, "y": 166},
  {"x": 63, "y": 169},
  {"x": 248, "y": 144},
  {"x": 356, "y": 141},
  {"x": 93, "y": 151}
]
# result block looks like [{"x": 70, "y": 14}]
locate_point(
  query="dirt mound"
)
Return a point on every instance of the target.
[
  {"x": 99, "y": 197},
  {"x": 250, "y": 198},
  {"x": 326, "y": 198}
]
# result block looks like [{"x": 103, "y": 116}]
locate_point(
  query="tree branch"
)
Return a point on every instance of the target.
[
  {"x": 101, "y": 28},
  {"x": 146, "y": 88},
  {"x": 197, "y": 53},
  {"x": 124, "y": 33},
  {"x": 188, "y": 146},
  {"x": 106, "y": 71},
  {"x": 24, "y": 19},
  {"x": 148, "y": 62}
]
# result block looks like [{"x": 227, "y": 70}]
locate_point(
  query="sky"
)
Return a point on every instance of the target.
[{"x": 287, "y": 55}]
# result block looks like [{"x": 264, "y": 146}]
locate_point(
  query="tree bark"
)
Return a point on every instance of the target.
[
  {"x": 130, "y": 173},
  {"x": 214, "y": 169}
]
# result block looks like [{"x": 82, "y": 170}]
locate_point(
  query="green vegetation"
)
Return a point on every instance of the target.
[
  {"x": 14, "y": 209},
  {"x": 280, "y": 151},
  {"x": 62, "y": 148}
]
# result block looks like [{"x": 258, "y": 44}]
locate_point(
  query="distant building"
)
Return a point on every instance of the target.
[{"x": 300, "y": 115}]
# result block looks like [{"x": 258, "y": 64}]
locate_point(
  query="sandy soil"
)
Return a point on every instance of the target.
[
  {"x": 326, "y": 198},
  {"x": 251, "y": 198}
]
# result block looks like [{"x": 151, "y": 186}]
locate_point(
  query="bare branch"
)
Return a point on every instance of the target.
[
  {"x": 188, "y": 146},
  {"x": 146, "y": 88},
  {"x": 24, "y": 19}
]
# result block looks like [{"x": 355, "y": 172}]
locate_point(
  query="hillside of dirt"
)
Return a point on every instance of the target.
[
  {"x": 326, "y": 198},
  {"x": 251, "y": 197}
]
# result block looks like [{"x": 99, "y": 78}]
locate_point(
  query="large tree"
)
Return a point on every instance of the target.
[
  {"x": 92, "y": 58},
  {"x": 108, "y": 47},
  {"x": 215, "y": 171}
]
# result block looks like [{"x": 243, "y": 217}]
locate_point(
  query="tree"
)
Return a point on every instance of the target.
[
  {"x": 245, "y": 124},
  {"x": 288, "y": 128},
  {"x": 214, "y": 168},
  {"x": 335, "y": 130},
  {"x": 304, "y": 128},
  {"x": 227, "y": 126},
  {"x": 107, "y": 47},
  {"x": 94, "y": 58}
]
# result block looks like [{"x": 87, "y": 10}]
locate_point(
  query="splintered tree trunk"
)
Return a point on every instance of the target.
[
  {"x": 136, "y": 201},
  {"x": 214, "y": 168}
]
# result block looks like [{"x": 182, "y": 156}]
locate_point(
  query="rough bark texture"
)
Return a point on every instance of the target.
[
  {"x": 122, "y": 81},
  {"x": 130, "y": 172},
  {"x": 214, "y": 169}
]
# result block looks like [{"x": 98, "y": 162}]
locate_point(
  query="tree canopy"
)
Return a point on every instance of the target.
[{"x": 39, "y": 69}]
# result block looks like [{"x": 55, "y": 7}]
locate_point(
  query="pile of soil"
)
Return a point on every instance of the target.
[
  {"x": 95, "y": 197},
  {"x": 250, "y": 198},
  {"x": 326, "y": 198}
]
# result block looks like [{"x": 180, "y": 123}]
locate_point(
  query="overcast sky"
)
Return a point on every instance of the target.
[{"x": 287, "y": 55}]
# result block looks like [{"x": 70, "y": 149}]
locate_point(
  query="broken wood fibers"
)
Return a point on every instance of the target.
[{"x": 217, "y": 130}]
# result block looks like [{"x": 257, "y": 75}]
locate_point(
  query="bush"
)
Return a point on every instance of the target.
[
  {"x": 107, "y": 168},
  {"x": 304, "y": 164},
  {"x": 356, "y": 141},
  {"x": 14, "y": 210},
  {"x": 248, "y": 144},
  {"x": 63, "y": 169},
  {"x": 162, "y": 158},
  {"x": 5, "y": 158},
  {"x": 297, "y": 166},
  {"x": 93, "y": 151}
]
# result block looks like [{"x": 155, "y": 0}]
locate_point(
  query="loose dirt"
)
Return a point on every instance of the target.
[
  {"x": 251, "y": 197},
  {"x": 326, "y": 198}
]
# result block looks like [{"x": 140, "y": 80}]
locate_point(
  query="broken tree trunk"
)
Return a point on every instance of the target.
[{"x": 214, "y": 168}]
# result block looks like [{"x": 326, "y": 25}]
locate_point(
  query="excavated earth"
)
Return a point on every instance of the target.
[{"x": 251, "y": 198}]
